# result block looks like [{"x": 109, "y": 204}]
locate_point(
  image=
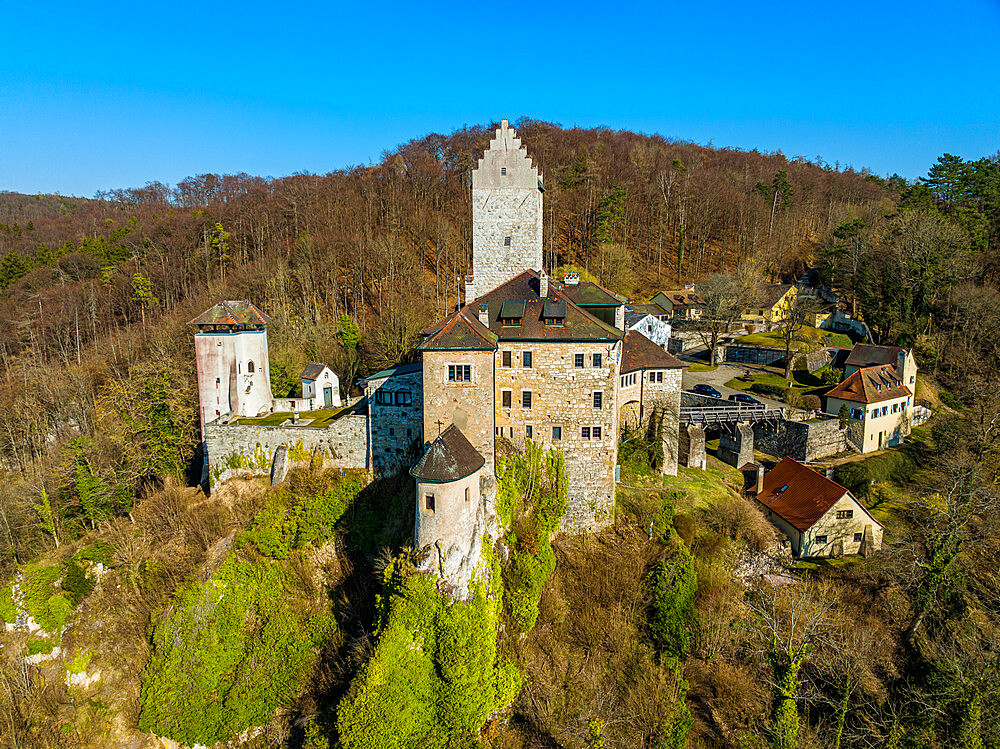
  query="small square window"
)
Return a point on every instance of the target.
[
  {"x": 503, "y": 171},
  {"x": 506, "y": 360},
  {"x": 578, "y": 361},
  {"x": 506, "y": 241},
  {"x": 392, "y": 432},
  {"x": 857, "y": 538},
  {"x": 505, "y": 399},
  {"x": 596, "y": 431},
  {"x": 845, "y": 514},
  {"x": 659, "y": 376},
  {"x": 556, "y": 434},
  {"x": 466, "y": 494},
  {"x": 585, "y": 433},
  {"x": 526, "y": 359},
  {"x": 652, "y": 376},
  {"x": 597, "y": 360},
  {"x": 527, "y": 431},
  {"x": 821, "y": 539},
  {"x": 598, "y": 398},
  {"x": 429, "y": 502},
  {"x": 525, "y": 399}
]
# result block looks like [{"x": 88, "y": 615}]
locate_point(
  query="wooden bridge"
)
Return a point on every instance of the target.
[{"x": 728, "y": 414}]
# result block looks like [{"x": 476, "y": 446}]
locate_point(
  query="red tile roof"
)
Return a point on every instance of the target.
[
  {"x": 638, "y": 352},
  {"x": 799, "y": 494},
  {"x": 461, "y": 331},
  {"x": 578, "y": 325},
  {"x": 871, "y": 385},
  {"x": 232, "y": 313}
]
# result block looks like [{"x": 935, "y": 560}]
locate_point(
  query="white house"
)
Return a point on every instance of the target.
[
  {"x": 819, "y": 517},
  {"x": 879, "y": 407},
  {"x": 648, "y": 325},
  {"x": 321, "y": 385}
]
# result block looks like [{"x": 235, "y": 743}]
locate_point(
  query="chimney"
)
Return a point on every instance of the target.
[
  {"x": 571, "y": 279},
  {"x": 470, "y": 289},
  {"x": 484, "y": 315},
  {"x": 760, "y": 478},
  {"x": 543, "y": 285}
]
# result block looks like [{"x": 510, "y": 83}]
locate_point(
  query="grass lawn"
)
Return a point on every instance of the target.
[
  {"x": 318, "y": 418},
  {"x": 699, "y": 367},
  {"x": 271, "y": 420},
  {"x": 805, "y": 339},
  {"x": 802, "y": 381},
  {"x": 825, "y": 564},
  {"x": 703, "y": 488}
]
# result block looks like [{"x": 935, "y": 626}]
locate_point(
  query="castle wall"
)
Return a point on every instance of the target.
[
  {"x": 245, "y": 449},
  {"x": 467, "y": 405},
  {"x": 802, "y": 440},
  {"x": 396, "y": 407},
  {"x": 563, "y": 397}
]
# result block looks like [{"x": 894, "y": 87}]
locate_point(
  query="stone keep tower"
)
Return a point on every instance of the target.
[
  {"x": 231, "y": 354},
  {"x": 506, "y": 214}
]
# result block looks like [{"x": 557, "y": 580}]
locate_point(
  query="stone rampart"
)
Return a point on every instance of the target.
[
  {"x": 802, "y": 440},
  {"x": 248, "y": 449}
]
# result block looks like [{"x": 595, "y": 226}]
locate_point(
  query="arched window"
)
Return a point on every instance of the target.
[{"x": 250, "y": 367}]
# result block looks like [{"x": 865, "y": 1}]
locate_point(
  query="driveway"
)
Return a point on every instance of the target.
[{"x": 722, "y": 374}]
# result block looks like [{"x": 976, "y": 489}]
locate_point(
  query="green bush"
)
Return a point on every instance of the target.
[
  {"x": 36, "y": 646},
  {"x": 433, "y": 679},
  {"x": 951, "y": 400},
  {"x": 76, "y": 583},
  {"x": 47, "y": 607},
  {"x": 674, "y": 584},
  {"x": 99, "y": 553},
  {"x": 8, "y": 610},
  {"x": 231, "y": 652},
  {"x": 532, "y": 500},
  {"x": 893, "y": 467},
  {"x": 766, "y": 388}
]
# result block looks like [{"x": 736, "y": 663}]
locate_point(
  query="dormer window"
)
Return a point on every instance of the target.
[
  {"x": 511, "y": 312},
  {"x": 554, "y": 313}
]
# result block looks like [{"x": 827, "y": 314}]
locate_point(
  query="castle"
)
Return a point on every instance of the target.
[{"x": 526, "y": 357}]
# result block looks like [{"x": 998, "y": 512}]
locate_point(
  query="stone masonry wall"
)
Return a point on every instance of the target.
[
  {"x": 240, "y": 449},
  {"x": 396, "y": 437},
  {"x": 467, "y": 405},
  {"x": 804, "y": 441},
  {"x": 563, "y": 396}
]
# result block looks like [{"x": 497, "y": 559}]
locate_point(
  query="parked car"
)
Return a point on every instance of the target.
[
  {"x": 745, "y": 400},
  {"x": 703, "y": 389}
]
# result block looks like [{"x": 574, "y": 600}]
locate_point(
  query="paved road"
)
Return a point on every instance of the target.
[{"x": 719, "y": 376}]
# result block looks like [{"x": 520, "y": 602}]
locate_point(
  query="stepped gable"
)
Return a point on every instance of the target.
[
  {"x": 871, "y": 385},
  {"x": 460, "y": 331},
  {"x": 313, "y": 370},
  {"x": 506, "y": 163},
  {"x": 638, "y": 352},
  {"x": 866, "y": 355},
  {"x": 232, "y": 313},
  {"x": 451, "y": 457},
  {"x": 578, "y": 325},
  {"x": 799, "y": 494}
]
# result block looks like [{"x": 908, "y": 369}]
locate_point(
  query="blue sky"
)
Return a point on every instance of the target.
[{"x": 121, "y": 94}]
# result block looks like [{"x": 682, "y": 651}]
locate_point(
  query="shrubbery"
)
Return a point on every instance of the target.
[
  {"x": 531, "y": 500},
  {"x": 892, "y": 467},
  {"x": 434, "y": 678},
  {"x": 766, "y": 388},
  {"x": 231, "y": 652}
]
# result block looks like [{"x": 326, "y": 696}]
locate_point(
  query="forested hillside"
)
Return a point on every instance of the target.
[{"x": 98, "y": 430}]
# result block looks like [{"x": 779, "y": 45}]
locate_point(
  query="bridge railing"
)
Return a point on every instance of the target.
[{"x": 710, "y": 414}]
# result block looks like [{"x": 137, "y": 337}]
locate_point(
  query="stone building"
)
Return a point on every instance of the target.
[
  {"x": 819, "y": 517},
  {"x": 321, "y": 385},
  {"x": 649, "y": 387},
  {"x": 395, "y": 402},
  {"x": 506, "y": 214},
  {"x": 525, "y": 362},
  {"x": 866, "y": 355},
  {"x": 648, "y": 325}
]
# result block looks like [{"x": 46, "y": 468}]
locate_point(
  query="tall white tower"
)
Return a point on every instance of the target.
[
  {"x": 231, "y": 354},
  {"x": 506, "y": 214}
]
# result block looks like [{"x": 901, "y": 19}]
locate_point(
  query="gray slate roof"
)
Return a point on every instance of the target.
[
  {"x": 450, "y": 458},
  {"x": 313, "y": 370}
]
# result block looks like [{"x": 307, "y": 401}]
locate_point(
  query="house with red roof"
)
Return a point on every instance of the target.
[
  {"x": 878, "y": 405},
  {"x": 818, "y": 516}
]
